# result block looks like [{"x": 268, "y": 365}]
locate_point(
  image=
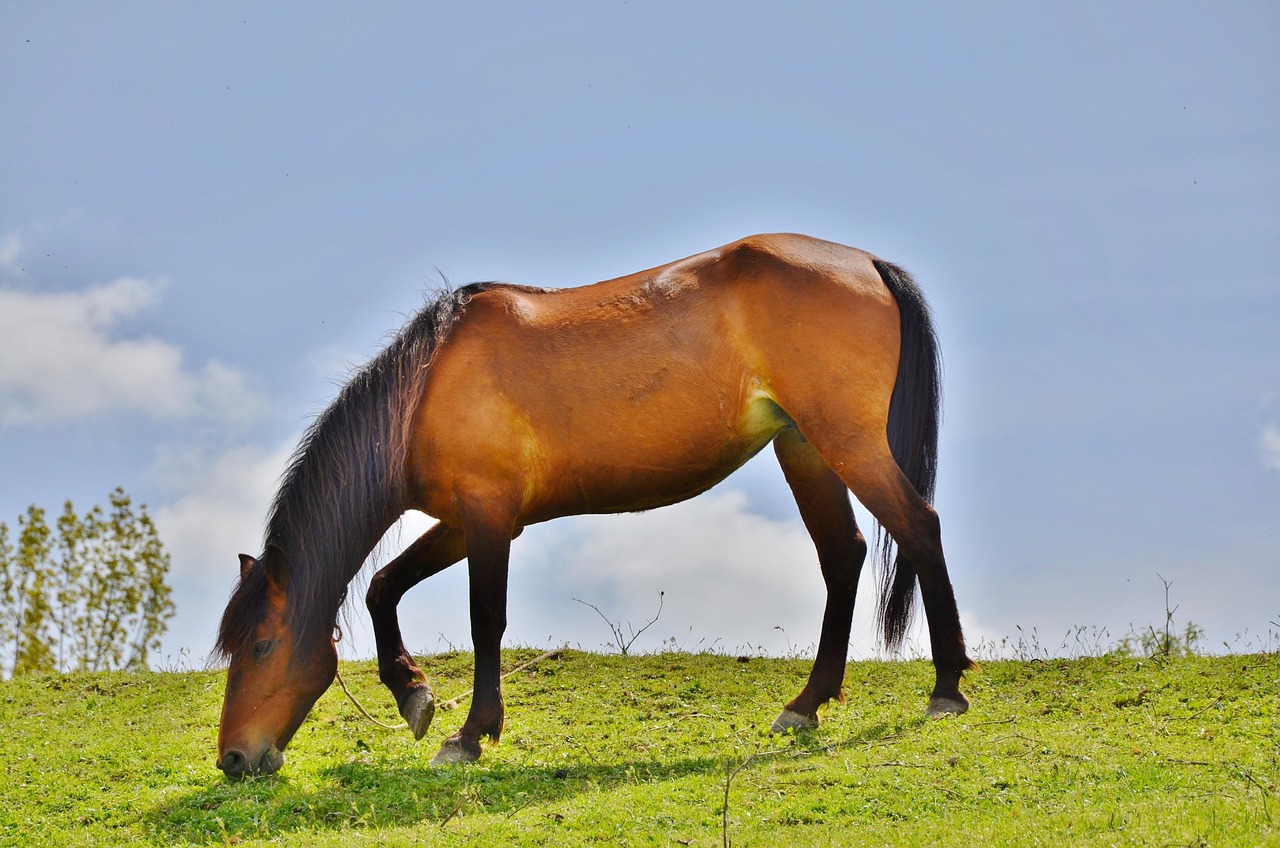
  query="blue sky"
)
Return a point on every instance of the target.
[{"x": 209, "y": 213}]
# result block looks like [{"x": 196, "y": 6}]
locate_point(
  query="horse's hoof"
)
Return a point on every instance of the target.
[
  {"x": 945, "y": 705},
  {"x": 418, "y": 709},
  {"x": 456, "y": 751},
  {"x": 789, "y": 720}
]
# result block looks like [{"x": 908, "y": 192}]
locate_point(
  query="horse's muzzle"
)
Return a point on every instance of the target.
[{"x": 237, "y": 764}]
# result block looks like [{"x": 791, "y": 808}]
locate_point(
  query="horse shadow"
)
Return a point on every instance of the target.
[{"x": 356, "y": 795}]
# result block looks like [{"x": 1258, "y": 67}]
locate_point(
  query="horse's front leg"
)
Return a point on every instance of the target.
[
  {"x": 488, "y": 550},
  {"x": 436, "y": 550}
]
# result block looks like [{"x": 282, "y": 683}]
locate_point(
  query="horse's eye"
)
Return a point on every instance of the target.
[{"x": 262, "y": 649}]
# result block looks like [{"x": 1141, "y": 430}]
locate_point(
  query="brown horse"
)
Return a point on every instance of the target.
[{"x": 500, "y": 406}]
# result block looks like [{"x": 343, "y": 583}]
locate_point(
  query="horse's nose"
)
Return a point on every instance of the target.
[{"x": 234, "y": 763}]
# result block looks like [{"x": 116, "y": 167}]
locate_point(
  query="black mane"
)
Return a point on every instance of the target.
[{"x": 344, "y": 486}]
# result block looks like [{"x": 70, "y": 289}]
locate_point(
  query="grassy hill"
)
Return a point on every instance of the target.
[{"x": 609, "y": 750}]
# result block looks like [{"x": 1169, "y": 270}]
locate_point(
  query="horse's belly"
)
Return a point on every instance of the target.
[{"x": 647, "y": 462}]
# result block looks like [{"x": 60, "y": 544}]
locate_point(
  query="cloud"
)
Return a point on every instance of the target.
[
  {"x": 216, "y": 506},
  {"x": 1270, "y": 446},
  {"x": 60, "y": 359},
  {"x": 730, "y": 577},
  {"x": 731, "y": 580},
  {"x": 710, "y": 555},
  {"x": 10, "y": 251}
]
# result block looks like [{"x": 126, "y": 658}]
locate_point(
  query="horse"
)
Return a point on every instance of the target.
[{"x": 498, "y": 406}]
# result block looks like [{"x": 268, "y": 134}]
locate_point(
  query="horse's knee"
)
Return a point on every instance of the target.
[
  {"x": 378, "y": 594},
  {"x": 373, "y": 596},
  {"x": 859, "y": 549}
]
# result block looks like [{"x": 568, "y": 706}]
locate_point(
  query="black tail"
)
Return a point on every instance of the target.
[{"x": 914, "y": 413}]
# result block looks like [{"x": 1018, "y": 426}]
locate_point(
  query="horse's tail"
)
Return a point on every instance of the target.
[{"x": 914, "y": 413}]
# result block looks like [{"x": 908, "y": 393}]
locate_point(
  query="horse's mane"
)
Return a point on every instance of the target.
[{"x": 345, "y": 485}]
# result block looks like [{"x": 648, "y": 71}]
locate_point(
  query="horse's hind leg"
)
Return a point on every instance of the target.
[
  {"x": 436, "y": 550},
  {"x": 868, "y": 469},
  {"x": 824, "y": 506},
  {"x": 878, "y": 482}
]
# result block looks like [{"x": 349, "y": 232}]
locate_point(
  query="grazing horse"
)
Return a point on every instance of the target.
[{"x": 499, "y": 406}]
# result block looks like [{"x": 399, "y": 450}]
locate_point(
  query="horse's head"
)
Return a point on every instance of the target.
[{"x": 276, "y": 674}]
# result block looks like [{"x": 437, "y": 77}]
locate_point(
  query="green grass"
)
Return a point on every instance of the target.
[{"x": 608, "y": 750}]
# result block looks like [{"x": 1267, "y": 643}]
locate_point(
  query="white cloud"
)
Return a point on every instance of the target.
[
  {"x": 713, "y": 558},
  {"x": 59, "y": 359},
  {"x": 1270, "y": 446},
  {"x": 10, "y": 251},
  {"x": 732, "y": 578},
  {"x": 219, "y": 503},
  {"x": 216, "y": 510}
]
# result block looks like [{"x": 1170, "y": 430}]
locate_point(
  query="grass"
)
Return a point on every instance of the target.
[{"x": 645, "y": 750}]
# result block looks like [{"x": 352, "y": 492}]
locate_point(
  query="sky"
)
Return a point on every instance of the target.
[{"x": 211, "y": 213}]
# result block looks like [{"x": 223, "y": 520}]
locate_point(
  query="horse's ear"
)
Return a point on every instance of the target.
[
  {"x": 273, "y": 563},
  {"x": 246, "y": 562}
]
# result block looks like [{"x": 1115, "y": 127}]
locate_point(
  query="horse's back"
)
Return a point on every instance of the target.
[{"x": 647, "y": 389}]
